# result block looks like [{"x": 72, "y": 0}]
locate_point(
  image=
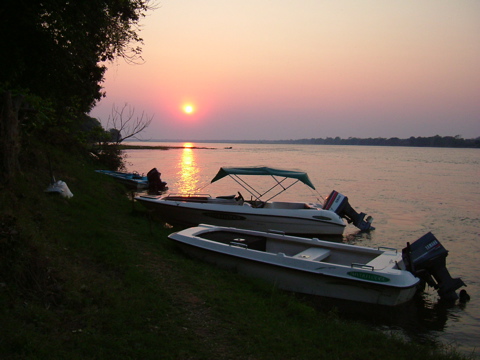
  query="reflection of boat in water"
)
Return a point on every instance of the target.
[
  {"x": 379, "y": 276},
  {"x": 259, "y": 212},
  {"x": 421, "y": 320}
]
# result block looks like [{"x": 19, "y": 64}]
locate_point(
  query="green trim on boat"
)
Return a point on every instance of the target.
[{"x": 367, "y": 276}]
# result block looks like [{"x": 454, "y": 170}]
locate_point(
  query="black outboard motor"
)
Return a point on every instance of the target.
[
  {"x": 340, "y": 205},
  {"x": 425, "y": 258},
  {"x": 155, "y": 183}
]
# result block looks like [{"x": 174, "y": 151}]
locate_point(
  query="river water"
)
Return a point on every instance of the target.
[{"x": 408, "y": 191}]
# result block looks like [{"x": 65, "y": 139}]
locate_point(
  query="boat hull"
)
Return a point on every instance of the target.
[
  {"x": 303, "y": 282},
  {"x": 300, "y": 222},
  {"x": 303, "y": 276}
]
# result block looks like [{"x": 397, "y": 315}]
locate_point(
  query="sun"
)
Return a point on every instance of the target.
[{"x": 188, "y": 109}]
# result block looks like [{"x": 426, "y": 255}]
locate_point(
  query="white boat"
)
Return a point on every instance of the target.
[
  {"x": 259, "y": 212},
  {"x": 323, "y": 268}
]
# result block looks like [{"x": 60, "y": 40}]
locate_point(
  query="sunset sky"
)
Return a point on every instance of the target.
[{"x": 265, "y": 69}]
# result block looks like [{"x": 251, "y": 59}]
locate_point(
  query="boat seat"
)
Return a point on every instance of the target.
[
  {"x": 383, "y": 260},
  {"x": 313, "y": 254}
]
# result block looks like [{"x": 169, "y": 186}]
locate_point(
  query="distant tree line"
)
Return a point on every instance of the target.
[{"x": 432, "y": 141}]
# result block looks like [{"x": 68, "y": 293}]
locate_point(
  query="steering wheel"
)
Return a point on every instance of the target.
[{"x": 240, "y": 197}]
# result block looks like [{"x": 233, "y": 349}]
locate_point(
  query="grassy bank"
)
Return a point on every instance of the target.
[{"x": 92, "y": 278}]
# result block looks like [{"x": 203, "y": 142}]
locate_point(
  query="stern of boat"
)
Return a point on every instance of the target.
[
  {"x": 339, "y": 204},
  {"x": 426, "y": 259}
]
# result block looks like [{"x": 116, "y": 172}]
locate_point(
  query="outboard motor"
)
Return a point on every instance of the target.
[
  {"x": 425, "y": 258},
  {"x": 155, "y": 183},
  {"x": 340, "y": 205}
]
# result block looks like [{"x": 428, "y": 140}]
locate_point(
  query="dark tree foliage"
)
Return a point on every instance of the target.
[
  {"x": 54, "y": 56},
  {"x": 57, "y": 49}
]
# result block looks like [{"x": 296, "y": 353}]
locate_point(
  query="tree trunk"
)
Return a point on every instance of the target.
[{"x": 9, "y": 137}]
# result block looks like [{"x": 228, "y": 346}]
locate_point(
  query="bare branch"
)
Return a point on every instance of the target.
[{"x": 124, "y": 122}]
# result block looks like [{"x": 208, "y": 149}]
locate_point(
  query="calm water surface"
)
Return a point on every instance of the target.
[{"x": 408, "y": 191}]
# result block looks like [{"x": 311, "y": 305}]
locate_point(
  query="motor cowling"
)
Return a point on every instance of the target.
[
  {"x": 155, "y": 183},
  {"x": 426, "y": 259},
  {"x": 339, "y": 204}
]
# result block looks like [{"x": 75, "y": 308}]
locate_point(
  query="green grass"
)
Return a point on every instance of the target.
[{"x": 92, "y": 278}]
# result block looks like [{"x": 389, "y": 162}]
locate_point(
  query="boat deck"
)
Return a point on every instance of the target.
[
  {"x": 227, "y": 237},
  {"x": 296, "y": 250},
  {"x": 202, "y": 198}
]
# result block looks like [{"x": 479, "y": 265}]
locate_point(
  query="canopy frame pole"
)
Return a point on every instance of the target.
[
  {"x": 281, "y": 191},
  {"x": 246, "y": 186},
  {"x": 256, "y": 194}
]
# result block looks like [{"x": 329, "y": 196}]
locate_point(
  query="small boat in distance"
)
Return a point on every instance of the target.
[
  {"x": 259, "y": 212},
  {"x": 311, "y": 266}
]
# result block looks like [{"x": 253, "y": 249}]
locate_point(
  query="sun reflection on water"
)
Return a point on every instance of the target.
[{"x": 188, "y": 172}]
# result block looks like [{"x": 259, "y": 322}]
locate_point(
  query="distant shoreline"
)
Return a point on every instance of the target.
[
  {"x": 157, "y": 147},
  {"x": 433, "y": 141}
]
